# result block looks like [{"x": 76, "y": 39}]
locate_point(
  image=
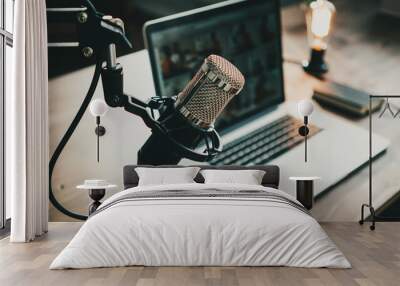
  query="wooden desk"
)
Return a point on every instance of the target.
[{"x": 364, "y": 52}]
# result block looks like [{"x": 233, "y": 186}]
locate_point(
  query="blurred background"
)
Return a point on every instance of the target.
[{"x": 134, "y": 12}]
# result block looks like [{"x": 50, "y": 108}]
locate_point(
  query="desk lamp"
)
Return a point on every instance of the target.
[
  {"x": 98, "y": 108},
  {"x": 319, "y": 18},
  {"x": 305, "y": 108}
]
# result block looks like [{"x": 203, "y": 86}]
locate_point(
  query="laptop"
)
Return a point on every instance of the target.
[{"x": 257, "y": 127}]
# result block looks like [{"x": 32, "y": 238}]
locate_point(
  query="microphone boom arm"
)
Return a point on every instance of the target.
[
  {"x": 113, "y": 89},
  {"x": 112, "y": 78},
  {"x": 98, "y": 35}
]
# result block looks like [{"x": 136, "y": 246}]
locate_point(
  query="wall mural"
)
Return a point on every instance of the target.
[
  {"x": 207, "y": 90},
  {"x": 190, "y": 121}
]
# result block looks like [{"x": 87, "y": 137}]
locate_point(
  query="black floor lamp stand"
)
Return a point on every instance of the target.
[{"x": 373, "y": 217}]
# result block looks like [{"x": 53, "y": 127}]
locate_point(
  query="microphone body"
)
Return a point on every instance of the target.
[{"x": 186, "y": 122}]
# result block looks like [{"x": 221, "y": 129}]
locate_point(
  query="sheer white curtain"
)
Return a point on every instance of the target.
[{"x": 27, "y": 123}]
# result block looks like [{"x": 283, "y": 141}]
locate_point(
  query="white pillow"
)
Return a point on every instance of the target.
[
  {"x": 247, "y": 177},
  {"x": 163, "y": 176}
]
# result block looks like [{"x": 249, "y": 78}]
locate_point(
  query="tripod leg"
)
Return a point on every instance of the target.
[
  {"x": 372, "y": 210},
  {"x": 361, "y": 221}
]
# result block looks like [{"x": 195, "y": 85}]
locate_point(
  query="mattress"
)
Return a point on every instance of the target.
[{"x": 201, "y": 225}]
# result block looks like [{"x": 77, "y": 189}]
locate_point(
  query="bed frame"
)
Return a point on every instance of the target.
[{"x": 271, "y": 177}]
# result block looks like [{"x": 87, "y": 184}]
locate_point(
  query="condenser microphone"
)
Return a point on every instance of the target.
[
  {"x": 210, "y": 90},
  {"x": 187, "y": 122}
]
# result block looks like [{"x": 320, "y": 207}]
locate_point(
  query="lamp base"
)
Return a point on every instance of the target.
[
  {"x": 100, "y": 130},
  {"x": 316, "y": 66},
  {"x": 303, "y": 131}
]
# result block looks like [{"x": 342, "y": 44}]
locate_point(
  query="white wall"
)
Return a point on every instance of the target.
[{"x": 125, "y": 133}]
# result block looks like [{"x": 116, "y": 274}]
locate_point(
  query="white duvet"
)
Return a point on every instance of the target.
[{"x": 201, "y": 231}]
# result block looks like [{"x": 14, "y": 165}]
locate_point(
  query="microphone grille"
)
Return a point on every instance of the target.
[
  {"x": 210, "y": 90},
  {"x": 226, "y": 70}
]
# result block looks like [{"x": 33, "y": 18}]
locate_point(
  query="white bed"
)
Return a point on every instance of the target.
[{"x": 245, "y": 225}]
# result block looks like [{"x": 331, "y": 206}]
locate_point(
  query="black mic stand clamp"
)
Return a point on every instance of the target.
[
  {"x": 164, "y": 107},
  {"x": 95, "y": 30}
]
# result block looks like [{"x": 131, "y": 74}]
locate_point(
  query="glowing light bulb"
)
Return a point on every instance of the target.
[
  {"x": 319, "y": 21},
  {"x": 319, "y": 17}
]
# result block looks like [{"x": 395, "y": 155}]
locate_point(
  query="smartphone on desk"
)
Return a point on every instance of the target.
[{"x": 344, "y": 99}]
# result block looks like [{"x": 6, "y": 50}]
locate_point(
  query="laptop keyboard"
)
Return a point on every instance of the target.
[{"x": 264, "y": 144}]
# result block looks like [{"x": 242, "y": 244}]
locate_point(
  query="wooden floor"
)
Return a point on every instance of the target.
[{"x": 375, "y": 257}]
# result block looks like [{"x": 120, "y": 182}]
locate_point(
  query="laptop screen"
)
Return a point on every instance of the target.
[{"x": 247, "y": 33}]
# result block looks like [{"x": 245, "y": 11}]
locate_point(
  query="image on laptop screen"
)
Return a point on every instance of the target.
[{"x": 248, "y": 36}]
